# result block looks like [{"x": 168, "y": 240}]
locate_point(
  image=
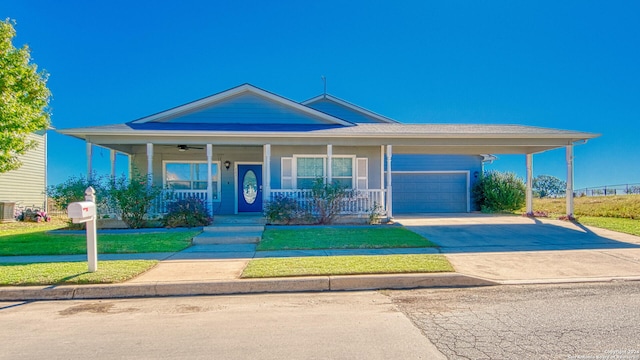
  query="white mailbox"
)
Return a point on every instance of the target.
[{"x": 82, "y": 211}]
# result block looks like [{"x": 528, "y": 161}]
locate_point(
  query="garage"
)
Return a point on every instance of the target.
[{"x": 430, "y": 192}]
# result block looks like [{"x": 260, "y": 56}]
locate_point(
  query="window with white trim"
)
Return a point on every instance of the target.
[
  {"x": 308, "y": 169},
  {"x": 191, "y": 176},
  {"x": 300, "y": 171},
  {"x": 342, "y": 171}
]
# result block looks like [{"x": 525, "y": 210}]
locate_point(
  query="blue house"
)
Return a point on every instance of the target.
[{"x": 242, "y": 147}]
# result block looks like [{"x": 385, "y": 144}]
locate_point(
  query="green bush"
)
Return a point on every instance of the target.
[
  {"x": 73, "y": 189},
  {"x": 323, "y": 207},
  {"x": 187, "y": 212},
  {"x": 327, "y": 200},
  {"x": 496, "y": 191},
  {"x": 133, "y": 198},
  {"x": 283, "y": 210}
]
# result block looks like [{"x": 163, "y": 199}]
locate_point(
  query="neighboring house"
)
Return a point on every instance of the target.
[
  {"x": 26, "y": 186},
  {"x": 241, "y": 147}
]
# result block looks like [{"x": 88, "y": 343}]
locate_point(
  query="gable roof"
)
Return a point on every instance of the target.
[
  {"x": 180, "y": 126},
  {"x": 345, "y": 110},
  {"x": 219, "y": 108}
]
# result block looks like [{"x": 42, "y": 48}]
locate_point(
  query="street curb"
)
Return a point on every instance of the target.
[
  {"x": 578, "y": 280},
  {"x": 244, "y": 286}
]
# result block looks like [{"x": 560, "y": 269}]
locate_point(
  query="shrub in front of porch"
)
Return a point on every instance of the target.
[
  {"x": 72, "y": 190},
  {"x": 133, "y": 198},
  {"x": 285, "y": 210},
  {"x": 322, "y": 207},
  {"x": 189, "y": 212}
]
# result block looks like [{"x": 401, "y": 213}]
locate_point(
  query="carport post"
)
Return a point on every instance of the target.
[
  {"x": 569, "y": 192},
  {"x": 529, "y": 183}
]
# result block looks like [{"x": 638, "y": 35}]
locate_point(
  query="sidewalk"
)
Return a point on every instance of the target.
[{"x": 216, "y": 270}]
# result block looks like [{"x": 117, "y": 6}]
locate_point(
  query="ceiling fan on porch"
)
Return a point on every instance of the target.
[{"x": 187, "y": 147}]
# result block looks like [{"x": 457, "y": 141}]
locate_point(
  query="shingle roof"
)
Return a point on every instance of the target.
[{"x": 361, "y": 130}]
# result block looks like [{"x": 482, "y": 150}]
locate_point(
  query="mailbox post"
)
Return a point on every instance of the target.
[{"x": 85, "y": 212}]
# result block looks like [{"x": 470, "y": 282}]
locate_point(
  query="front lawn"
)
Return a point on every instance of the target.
[
  {"x": 628, "y": 226},
  {"x": 33, "y": 240},
  {"x": 323, "y": 237},
  {"x": 346, "y": 265},
  {"x": 72, "y": 272}
]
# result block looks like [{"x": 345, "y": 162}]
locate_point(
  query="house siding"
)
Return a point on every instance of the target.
[
  {"x": 246, "y": 109},
  {"x": 342, "y": 112},
  {"x": 26, "y": 186}
]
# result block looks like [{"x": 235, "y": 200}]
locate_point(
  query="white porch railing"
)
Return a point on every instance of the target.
[
  {"x": 357, "y": 201},
  {"x": 159, "y": 205}
]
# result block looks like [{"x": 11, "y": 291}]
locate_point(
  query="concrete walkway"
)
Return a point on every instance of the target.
[{"x": 484, "y": 250}]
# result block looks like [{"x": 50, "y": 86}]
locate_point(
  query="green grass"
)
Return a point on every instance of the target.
[
  {"x": 627, "y": 206},
  {"x": 322, "y": 237},
  {"x": 72, "y": 272},
  {"x": 617, "y": 213},
  {"x": 33, "y": 240},
  {"x": 627, "y": 226},
  {"x": 346, "y": 265}
]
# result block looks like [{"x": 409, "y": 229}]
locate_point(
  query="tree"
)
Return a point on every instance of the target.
[
  {"x": 24, "y": 99},
  {"x": 546, "y": 185}
]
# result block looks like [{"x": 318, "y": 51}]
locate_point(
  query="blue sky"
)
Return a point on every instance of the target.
[{"x": 570, "y": 65}]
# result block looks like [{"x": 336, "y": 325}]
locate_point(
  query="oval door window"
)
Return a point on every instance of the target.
[{"x": 250, "y": 187}]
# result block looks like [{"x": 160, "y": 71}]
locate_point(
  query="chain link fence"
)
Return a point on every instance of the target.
[{"x": 623, "y": 189}]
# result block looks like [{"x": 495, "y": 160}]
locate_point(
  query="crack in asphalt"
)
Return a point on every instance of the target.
[{"x": 532, "y": 322}]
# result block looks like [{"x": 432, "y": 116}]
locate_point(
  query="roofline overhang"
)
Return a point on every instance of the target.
[{"x": 574, "y": 137}]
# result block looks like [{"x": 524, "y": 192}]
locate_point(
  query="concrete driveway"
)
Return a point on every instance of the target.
[{"x": 511, "y": 249}]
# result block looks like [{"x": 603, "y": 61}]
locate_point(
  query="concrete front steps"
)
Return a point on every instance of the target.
[{"x": 232, "y": 229}]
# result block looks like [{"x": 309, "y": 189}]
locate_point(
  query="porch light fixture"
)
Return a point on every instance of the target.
[
  {"x": 475, "y": 174},
  {"x": 227, "y": 164},
  {"x": 182, "y": 147}
]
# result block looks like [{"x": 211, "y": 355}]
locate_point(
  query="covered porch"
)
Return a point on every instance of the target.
[{"x": 230, "y": 192}]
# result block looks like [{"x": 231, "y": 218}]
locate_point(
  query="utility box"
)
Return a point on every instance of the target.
[
  {"x": 7, "y": 209},
  {"x": 81, "y": 211}
]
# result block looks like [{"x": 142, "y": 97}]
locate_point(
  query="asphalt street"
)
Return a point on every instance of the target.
[
  {"x": 341, "y": 325},
  {"x": 562, "y": 321},
  {"x": 579, "y": 321}
]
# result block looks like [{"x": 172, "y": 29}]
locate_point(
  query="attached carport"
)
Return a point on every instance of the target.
[{"x": 470, "y": 140}]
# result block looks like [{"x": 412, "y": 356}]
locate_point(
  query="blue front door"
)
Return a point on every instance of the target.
[{"x": 249, "y": 188}]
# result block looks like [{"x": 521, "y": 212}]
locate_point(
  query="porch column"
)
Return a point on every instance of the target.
[
  {"x": 381, "y": 200},
  {"x": 129, "y": 165},
  {"x": 89, "y": 160},
  {"x": 112, "y": 156},
  {"x": 529, "y": 183},
  {"x": 569, "y": 192},
  {"x": 209, "y": 177},
  {"x": 149, "y": 164},
  {"x": 329, "y": 162},
  {"x": 389, "y": 187},
  {"x": 266, "y": 173}
]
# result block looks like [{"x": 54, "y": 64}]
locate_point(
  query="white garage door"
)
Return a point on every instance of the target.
[{"x": 417, "y": 192}]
